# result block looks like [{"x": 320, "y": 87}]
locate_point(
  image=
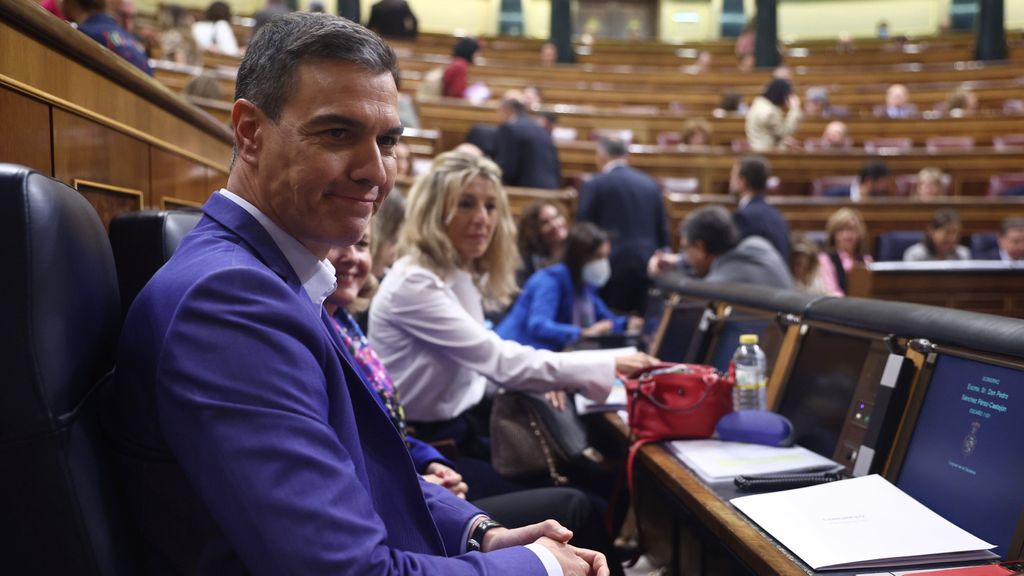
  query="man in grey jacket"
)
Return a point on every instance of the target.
[{"x": 712, "y": 249}]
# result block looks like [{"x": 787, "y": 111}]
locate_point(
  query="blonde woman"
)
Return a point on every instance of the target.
[
  {"x": 427, "y": 320},
  {"x": 845, "y": 246}
]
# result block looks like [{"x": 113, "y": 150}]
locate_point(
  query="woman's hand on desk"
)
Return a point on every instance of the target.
[
  {"x": 631, "y": 363},
  {"x": 445, "y": 477},
  {"x": 597, "y": 328}
]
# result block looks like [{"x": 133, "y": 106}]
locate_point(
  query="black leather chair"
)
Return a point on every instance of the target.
[
  {"x": 59, "y": 324},
  {"x": 143, "y": 242}
]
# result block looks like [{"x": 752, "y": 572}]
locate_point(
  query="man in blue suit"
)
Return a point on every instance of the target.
[
  {"x": 248, "y": 442},
  {"x": 627, "y": 204},
  {"x": 755, "y": 216},
  {"x": 524, "y": 149}
]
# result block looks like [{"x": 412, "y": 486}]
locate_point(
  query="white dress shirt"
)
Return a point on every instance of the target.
[
  {"x": 317, "y": 276},
  {"x": 430, "y": 335}
]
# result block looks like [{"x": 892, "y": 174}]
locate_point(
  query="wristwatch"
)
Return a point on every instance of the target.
[{"x": 476, "y": 539}]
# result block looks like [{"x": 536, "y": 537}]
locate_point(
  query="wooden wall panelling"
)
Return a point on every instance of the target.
[
  {"x": 25, "y": 132},
  {"x": 988, "y": 291},
  {"x": 176, "y": 181},
  {"x": 27, "y": 59},
  {"x": 115, "y": 164},
  {"x": 108, "y": 200}
]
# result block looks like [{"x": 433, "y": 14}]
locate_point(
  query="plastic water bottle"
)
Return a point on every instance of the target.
[{"x": 751, "y": 375}]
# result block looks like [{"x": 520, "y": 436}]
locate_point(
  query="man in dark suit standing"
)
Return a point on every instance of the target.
[
  {"x": 393, "y": 19},
  {"x": 628, "y": 205},
  {"x": 523, "y": 149},
  {"x": 755, "y": 216}
]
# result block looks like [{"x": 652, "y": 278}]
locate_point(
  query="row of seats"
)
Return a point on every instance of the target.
[{"x": 59, "y": 325}]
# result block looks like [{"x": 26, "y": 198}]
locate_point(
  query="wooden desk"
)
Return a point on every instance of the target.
[
  {"x": 688, "y": 527},
  {"x": 976, "y": 286}
]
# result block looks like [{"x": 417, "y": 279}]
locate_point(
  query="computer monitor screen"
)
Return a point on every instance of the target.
[
  {"x": 821, "y": 386},
  {"x": 729, "y": 338},
  {"x": 965, "y": 458}
]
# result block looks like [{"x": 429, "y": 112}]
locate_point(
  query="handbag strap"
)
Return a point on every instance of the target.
[
  {"x": 667, "y": 408},
  {"x": 549, "y": 458}
]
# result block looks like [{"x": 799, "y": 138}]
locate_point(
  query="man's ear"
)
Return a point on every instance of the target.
[{"x": 247, "y": 120}]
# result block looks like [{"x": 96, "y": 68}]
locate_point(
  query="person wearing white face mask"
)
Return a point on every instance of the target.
[{"x": 559, "y": 304}]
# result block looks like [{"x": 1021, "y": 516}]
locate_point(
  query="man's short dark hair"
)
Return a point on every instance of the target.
[
  {"x": 873, "y": 170},
  {"x": 515, "y": 104},
  {"x": 266, "y": 73},
  {"x": 1011, "y": 223},
  {"x": 755, "y": 170},
  {"x": 613, "y": 147},
  {"x": 714, "y": 226}
]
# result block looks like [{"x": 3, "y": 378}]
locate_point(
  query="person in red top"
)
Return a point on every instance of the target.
[{"x": 454, "y": 81}]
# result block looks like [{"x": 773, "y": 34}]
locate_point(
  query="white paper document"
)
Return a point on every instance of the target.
[
  {"x": 718, "y": 461},
  {"x": 616, "y": 401},
  {"x": 860, "y": 523}
]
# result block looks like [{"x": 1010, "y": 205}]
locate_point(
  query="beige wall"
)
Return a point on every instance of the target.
[{"x": 681, "y": 20}]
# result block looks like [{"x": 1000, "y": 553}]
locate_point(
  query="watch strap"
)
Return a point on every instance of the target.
[{"x": 476, "y": 538}]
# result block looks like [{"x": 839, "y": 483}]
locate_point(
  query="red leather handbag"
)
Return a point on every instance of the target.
[{"x": 675, "y": 401}]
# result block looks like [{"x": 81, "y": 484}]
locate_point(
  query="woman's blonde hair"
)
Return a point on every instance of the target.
[
  {"x": 431, "y": 204},
  {"x": 843, "y": 218}
]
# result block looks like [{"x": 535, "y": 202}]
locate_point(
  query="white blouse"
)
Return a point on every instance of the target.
[
  {"x": 216, "y": 36},
  {"x": 430, "y": 335}
]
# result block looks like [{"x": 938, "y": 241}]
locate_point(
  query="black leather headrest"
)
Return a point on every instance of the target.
[
  {"x": 143, "y": 242},
  {"x": 971, "y": 330},
  {"x": 59, "y": 319},
  {"x": 750, "y": 295}
]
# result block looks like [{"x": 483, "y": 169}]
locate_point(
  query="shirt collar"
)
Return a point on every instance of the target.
[
  {"x": 317, "y": 276},
  {"x": 613, "y": 164}
]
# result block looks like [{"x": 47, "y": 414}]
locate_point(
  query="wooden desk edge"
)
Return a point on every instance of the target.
[{"x": 717, "y": 515}]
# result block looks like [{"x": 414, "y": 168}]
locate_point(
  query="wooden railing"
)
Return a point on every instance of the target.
[{"x": 75, "y": 111}]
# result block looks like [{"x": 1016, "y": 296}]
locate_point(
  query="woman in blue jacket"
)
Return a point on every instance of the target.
[{"x": 559, "y": 304}]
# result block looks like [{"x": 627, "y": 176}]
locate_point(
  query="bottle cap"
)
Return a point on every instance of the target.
[{"x": 748, "y": 339}]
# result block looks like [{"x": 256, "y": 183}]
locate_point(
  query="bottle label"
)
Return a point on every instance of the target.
[{"x": 749, "y": 379}]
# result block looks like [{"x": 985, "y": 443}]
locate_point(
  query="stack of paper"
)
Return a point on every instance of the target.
[
  {"x": 860, "y": 523},
  {"x": 717, "y": 461}
]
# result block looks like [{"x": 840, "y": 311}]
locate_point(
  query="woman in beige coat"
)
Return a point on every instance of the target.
[{"x": 769, "y": 126}]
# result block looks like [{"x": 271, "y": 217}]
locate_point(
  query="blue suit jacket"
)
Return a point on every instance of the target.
[
  {"x": 249, "y": 443},
  {"x": 527, "y": 155},
  {"x": 759, "y": 218},
  {"x": 542, "y": 315},
  {"x": 628, "y": 205}
]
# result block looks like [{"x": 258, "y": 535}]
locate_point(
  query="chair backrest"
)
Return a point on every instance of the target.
[
  {"x": 624, "y": 134},
  {"x": 1008, "y": 141},
  {"x": 142, "y": 242},
  {"x": 1005, "y": 184},
  {"x": 950, "y": 143},
  {"x": 814, "y": 144},
  {"x": 689, "y": 185},
  {"x": 669, "y": 138},
  {"x": 907, "y": 183},
  {"x": 59, "y": 324},
  {"x": 820, "y": 185},
  {"x": 891, "y": 245},
  {"x": 888, "y": 145},
  {"x": 983, "y": 243},
  {"x": 740, "y": 145}
]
